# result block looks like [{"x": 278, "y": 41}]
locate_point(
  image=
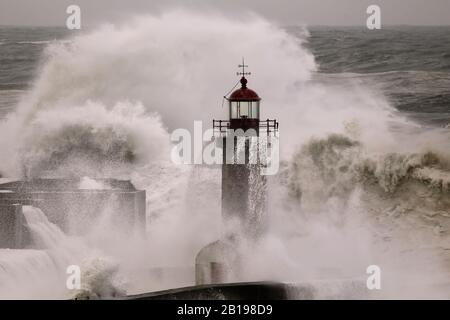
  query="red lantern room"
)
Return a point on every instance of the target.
[
  {"x": 244, "y": 110},
  {"x": 244, "y": 105},
  {"x": 244, "y": 102}
]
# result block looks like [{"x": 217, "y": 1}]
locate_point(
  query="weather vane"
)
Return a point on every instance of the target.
[{"x": 243, "y": 66}]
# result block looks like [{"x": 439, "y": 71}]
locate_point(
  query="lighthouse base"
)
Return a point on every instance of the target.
[
  {"x": 244, "y": 199},
  {"x": 216, "y": 263}
]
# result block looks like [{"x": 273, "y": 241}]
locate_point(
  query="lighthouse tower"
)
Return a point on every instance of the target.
[
  {"x": 243, "y": 185},
  {"x": 244, "y": 139}
]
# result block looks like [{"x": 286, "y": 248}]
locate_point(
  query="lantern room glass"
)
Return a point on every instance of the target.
[{"x": 244, "y": 109}]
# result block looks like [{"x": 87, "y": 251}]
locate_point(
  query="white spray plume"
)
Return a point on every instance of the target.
[{"x": 175, "y": 68}]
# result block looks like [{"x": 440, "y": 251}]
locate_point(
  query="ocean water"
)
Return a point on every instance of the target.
[
  {"x": 21, "y": 50},
  {"x": 365, "y": 171},
  {"x": 410, "y": 65}
]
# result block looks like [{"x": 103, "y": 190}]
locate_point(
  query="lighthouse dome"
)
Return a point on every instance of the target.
[{"x": 244, "y": 93}]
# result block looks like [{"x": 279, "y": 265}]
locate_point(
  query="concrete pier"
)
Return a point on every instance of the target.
[
  {"x": 74, "y": 210},
  {"x": 335, "y": 290},
  {"x": 232, "y": 291}
]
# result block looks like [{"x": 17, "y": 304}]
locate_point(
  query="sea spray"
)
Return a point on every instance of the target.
[
  {"x": 91, "y": 140},
  {"x": 40, "y": 272},
  {"x": 102, "y": 97}
]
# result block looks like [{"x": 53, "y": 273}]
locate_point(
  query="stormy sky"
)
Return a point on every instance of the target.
[{"x": 286, "y": 12}]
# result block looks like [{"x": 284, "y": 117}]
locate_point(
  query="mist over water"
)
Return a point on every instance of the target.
[{"x": 359, "y": 183}]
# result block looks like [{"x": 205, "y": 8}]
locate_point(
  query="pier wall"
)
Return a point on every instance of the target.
[{"x": 75, "y": 211}]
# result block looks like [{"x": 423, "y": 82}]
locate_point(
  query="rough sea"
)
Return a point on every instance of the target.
[
  {"x": 409, "y": 65},
  {"x": 365, "y": 148}
]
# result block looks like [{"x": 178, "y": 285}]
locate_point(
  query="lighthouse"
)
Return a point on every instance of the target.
[
  {"x": 243, "y": 137},
  {"x": 246, "y": 141}
]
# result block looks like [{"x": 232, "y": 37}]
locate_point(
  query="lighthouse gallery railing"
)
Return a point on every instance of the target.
[{"x": 269, "y": 127}]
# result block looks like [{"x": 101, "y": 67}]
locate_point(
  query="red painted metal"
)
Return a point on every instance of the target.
[{"x": 244, "y": 93}]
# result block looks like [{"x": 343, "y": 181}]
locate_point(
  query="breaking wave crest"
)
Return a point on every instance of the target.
[
  {"x": 92, "y": 140},
  {"x": 104, "y": 103},
  {"x": 333, "y": 165},
  {"x": 155, "y": 64}
]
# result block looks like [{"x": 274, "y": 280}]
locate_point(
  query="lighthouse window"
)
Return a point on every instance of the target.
[
  {"x": 248, "y": 109},
  {"x": 254, "y": 111},
  {"x": 234, "y": 110},
  {"x": 244, "y": 109}
]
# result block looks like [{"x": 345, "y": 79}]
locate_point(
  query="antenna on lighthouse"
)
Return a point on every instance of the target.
[
  {"x": 243, "y": 66},
  {"x": 243, "y": 81}
]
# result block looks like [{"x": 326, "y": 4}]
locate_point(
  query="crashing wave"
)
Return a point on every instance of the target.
[
  {"x": 91, "y": 139},
  {"x": 100, "y": 279},
  {"x": 334, "y": 164}
]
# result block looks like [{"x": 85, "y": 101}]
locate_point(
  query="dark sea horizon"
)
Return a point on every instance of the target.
[{"x": 410, "y": 65}]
